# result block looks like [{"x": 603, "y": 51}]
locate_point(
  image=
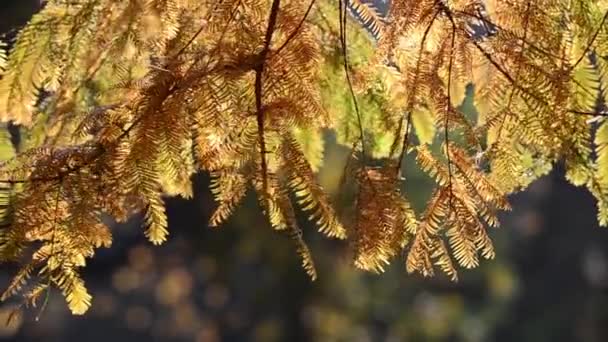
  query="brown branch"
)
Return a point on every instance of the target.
[
  {"x": 200, "y": 30},
  {"x": 406, "y": 142},
  {"x": 519, "y": 63},
  {"x": 588, "y": 47},
  {"x": 449, "y": 102},
  {"x": 259, "y": 74},
  {"x": 600, "y": 113},
  {"x": 523, "y": 38},
  {"x": 296, "y": 30},
  {"x": 342, "y": 7},
  {"x": 524, "y": 42},
  {"x": 411, "y": 99}
]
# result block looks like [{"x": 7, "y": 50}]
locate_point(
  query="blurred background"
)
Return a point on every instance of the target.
[{"x": 244, "y": 282}]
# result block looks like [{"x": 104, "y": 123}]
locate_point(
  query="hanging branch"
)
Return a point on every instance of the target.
[
  {"x": 411, "y": 98},
  {"x": 449, "y": 102},
  {"x": 259, "y": 74},
  {"x": 342, "y": 7}
]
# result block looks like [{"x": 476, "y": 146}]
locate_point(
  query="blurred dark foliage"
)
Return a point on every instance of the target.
[{"x": 243, "y": 281}]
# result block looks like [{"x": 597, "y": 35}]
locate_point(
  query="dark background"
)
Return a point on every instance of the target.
[{"x": 244, "y": 282}]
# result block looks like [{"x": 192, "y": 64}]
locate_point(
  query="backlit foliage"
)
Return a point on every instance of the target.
[{"x": 119, "y": 103}]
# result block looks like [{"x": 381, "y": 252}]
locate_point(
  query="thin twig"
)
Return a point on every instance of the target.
[
  {"x": 588, "y": 47},
  {"x": 519, "y": 63},
  {"x": 296, "y": 30},
  {"x": 343, "y": 39},
  {"x": 413, "y": 84},
  {"x": 53, "y": 234}
]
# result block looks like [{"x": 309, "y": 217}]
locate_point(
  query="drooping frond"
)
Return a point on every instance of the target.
[
  {"x": 295, "y": 233},
  {"x": 282, "y": 217},
  {"x": 384, "y": 223},
  {"x": 228, "y": 189},
  {"x": 465, "y": 202},
  {"x": 601, "y": 141},
  {"x": 29, "y": 65},
  {"x": 427, "y": 248},
  {"x": 76, "y": 294},
  {"x": 18, "y": 281},
  {"x": 310, "y": 195}
]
